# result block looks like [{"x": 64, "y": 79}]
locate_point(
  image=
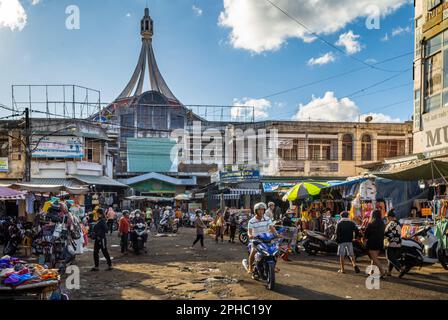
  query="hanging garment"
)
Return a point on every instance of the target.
[
  {"x": 441, "y": 233},
  {"x": 29, "y": 199}
]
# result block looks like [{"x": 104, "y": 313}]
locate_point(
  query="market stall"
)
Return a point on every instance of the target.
[{"x": 19, "y": 278}]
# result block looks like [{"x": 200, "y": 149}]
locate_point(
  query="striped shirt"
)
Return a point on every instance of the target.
[{"x": 259, "y": 226}]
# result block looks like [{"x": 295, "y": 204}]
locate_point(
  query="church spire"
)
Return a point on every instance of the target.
[{"x": 147, "y": 57}]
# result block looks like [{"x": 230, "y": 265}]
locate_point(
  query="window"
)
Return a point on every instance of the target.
[
  {"x": 322, "y": 149},
  {"x": 4, "y": 147},
  {"x": 366, "y": 148},
  {"x": 292, "y": 150},
  {"x": 92, "y": 151},
  {"x": 390, "y": 149},
  {"x": 347, "y": 147}
]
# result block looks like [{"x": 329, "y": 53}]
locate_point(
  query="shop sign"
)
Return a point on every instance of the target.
[
  {"x": 435, "y": 132},
  {"x": 68, "y": 147},
  {"x": 239, "y": 176},
  {"x": 4, "y": 165}
]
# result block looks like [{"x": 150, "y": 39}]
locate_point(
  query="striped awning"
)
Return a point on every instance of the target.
[
  {"x": 245, "y": 191},
  {"x": 227, "y": 196}
]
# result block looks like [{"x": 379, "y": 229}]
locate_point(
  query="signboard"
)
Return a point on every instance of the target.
[
  {"x": 433, "y": 140},
  {"x": 426, "y": 212},
  {"x": 4, "y": 165},
  {"x": 194, "y": 206},
  {"x": 58, "y": 147},
  {"x": 240, "y": 176}
]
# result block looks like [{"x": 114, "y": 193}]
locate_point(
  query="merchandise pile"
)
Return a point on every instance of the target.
[{"x": 15, "y": 272}]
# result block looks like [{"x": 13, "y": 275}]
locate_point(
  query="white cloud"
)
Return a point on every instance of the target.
[
  {"x": 128, "y": 15},
  {"x": 243, "y": 108},
  {"x": 198, "y": 11},
  {"x": 400, "y": 30},
  {"x": 324, "y": 59},
  {"x": 371, "y": 61},
  {"x": 350, "y": 42},
  {"x": 330, "y": 108},
  {"x": 12, "y": 15},
  {"x": 34, "y": 2},
  {"x": 257, "y": 26}
]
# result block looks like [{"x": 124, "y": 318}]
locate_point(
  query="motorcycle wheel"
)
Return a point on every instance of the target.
[
  {"x": 243, "y": 238},
  {"x": 270, "y": 277},
  {"x": 443, "y": 258},
  {"x": 160, "y": 229},
  {"x": 9, "y": 249},
  {"x": 136, "y": 248},
  {"x": 309, "y": 250},
  {"x": 115, "y": 226}
]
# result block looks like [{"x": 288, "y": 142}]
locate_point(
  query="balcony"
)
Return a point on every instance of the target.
[
  {"x": 292, "y": 165},
  {"x": 318, "y": 166}
]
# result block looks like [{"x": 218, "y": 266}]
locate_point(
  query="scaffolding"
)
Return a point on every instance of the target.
[{"x": 56, "y": 101}]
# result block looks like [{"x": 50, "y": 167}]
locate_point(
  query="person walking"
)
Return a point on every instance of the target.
[
  {"x": 156, "y": 216},
  {"x": 374, "y": 235},
  {"x": 149, "y": 216},
  {"x": 392, "y": 242},
  {"x": 227, "y": 220},
  {"x": 124, "y": 227},
  {"x": 232, "y": 224},
  {"x": 346, "y": 230},
  {"x": 111, "y": 215},
  {"x": 100, "y": 231},
  {"x": 219, "y": 227},
  {"x": 200, "y": 226}
]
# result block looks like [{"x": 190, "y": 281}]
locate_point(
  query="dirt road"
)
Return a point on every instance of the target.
[{"x": 170, "y": 270}]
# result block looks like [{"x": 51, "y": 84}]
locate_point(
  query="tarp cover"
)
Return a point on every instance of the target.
[
  {"x": 415, "y": 170},
  {"x": 402, "y": 194}
]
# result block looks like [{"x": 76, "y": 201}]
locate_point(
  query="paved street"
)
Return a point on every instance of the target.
[{"x": 172, "y": 271}]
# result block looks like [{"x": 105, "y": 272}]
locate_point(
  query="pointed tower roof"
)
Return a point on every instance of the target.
[{"x": 147, "y": 58}]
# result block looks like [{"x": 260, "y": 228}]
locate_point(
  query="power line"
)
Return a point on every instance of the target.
[
  {"x": 328, "y": 42},
  {"x": 332, "y": 77}
]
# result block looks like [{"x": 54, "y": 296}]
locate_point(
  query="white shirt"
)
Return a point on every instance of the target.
[{"x": 259, "y": 226}]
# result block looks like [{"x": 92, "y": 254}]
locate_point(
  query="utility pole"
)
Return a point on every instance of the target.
[{"x": 27, "y": 177}]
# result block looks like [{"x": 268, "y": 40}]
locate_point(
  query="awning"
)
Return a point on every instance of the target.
[
  {"x": 250, "y": 188},
  {"x": 183, "y": 197},
  {"x": 149, "y": 198},
  {"x": 335, "y": 184},
  {"x": 227, "y": 196},
  {"x": 414, "y": 170},
  {"x": 99, "y": 181},
  {"x": 10, "y": 194},
  {"x": 275, "y": 187},
  {"x": 45, "y": 185},
  {"x": 199, "y": 195}
]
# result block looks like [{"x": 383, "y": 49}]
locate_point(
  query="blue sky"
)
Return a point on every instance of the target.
[{"x": 220, "y": 52}]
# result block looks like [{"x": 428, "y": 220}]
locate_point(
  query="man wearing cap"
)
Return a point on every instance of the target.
[{"x": 392, "y": 235}]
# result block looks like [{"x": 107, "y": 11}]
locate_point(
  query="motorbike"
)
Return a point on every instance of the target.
[
  {"x": 422, "y": 250},
  {"x": 243, "y": 236},
  {"x": 168, "y": 226},
  {"x": 139, "y": 236},
  {"x": 268, "y": 250},
  {"x": 314, "y": 242},
  {"x": 16, "y": 235},
  {"x": 5, "y": 222}
]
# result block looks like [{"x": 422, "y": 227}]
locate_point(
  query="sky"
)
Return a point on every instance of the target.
[{"x": 290, "y": 59}]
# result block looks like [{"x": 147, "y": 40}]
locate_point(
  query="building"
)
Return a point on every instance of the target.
[
  {"x": 141, "y": 120},
  {"x": 64, "y": 152},
  {"x": 431, "y": 78}
]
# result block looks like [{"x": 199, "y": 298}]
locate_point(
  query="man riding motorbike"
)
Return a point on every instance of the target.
[
  {"x": 138, "y": 219},
  {"x": 257, "y": 225}
]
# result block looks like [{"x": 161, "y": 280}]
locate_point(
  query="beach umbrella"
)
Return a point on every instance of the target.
[{"x": 304, "y": 190}]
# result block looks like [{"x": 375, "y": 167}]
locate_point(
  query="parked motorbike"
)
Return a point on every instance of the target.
[
  {"x": 265, "y": 258},
  {"x": 5, "y": 222},
  {"x": 15, "y": 239},
  {"x": 139, "y": 236},
  {"x": 314, "y": 242},
  {"x": 422, "y": 250}
]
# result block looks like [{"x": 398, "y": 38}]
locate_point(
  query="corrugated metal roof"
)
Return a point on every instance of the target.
[
  {"x": 69, "y": 183},
  {"x": 100, "y": 181}
]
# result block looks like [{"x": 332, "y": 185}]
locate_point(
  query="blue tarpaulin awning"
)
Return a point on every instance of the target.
[{"x": 334, "y": 184}]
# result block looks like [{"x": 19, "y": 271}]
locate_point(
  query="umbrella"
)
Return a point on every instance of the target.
[{"x": 304, "y": 190}]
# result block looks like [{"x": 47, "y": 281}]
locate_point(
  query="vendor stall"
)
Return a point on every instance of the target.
[{"x": 19, "y": 278}]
